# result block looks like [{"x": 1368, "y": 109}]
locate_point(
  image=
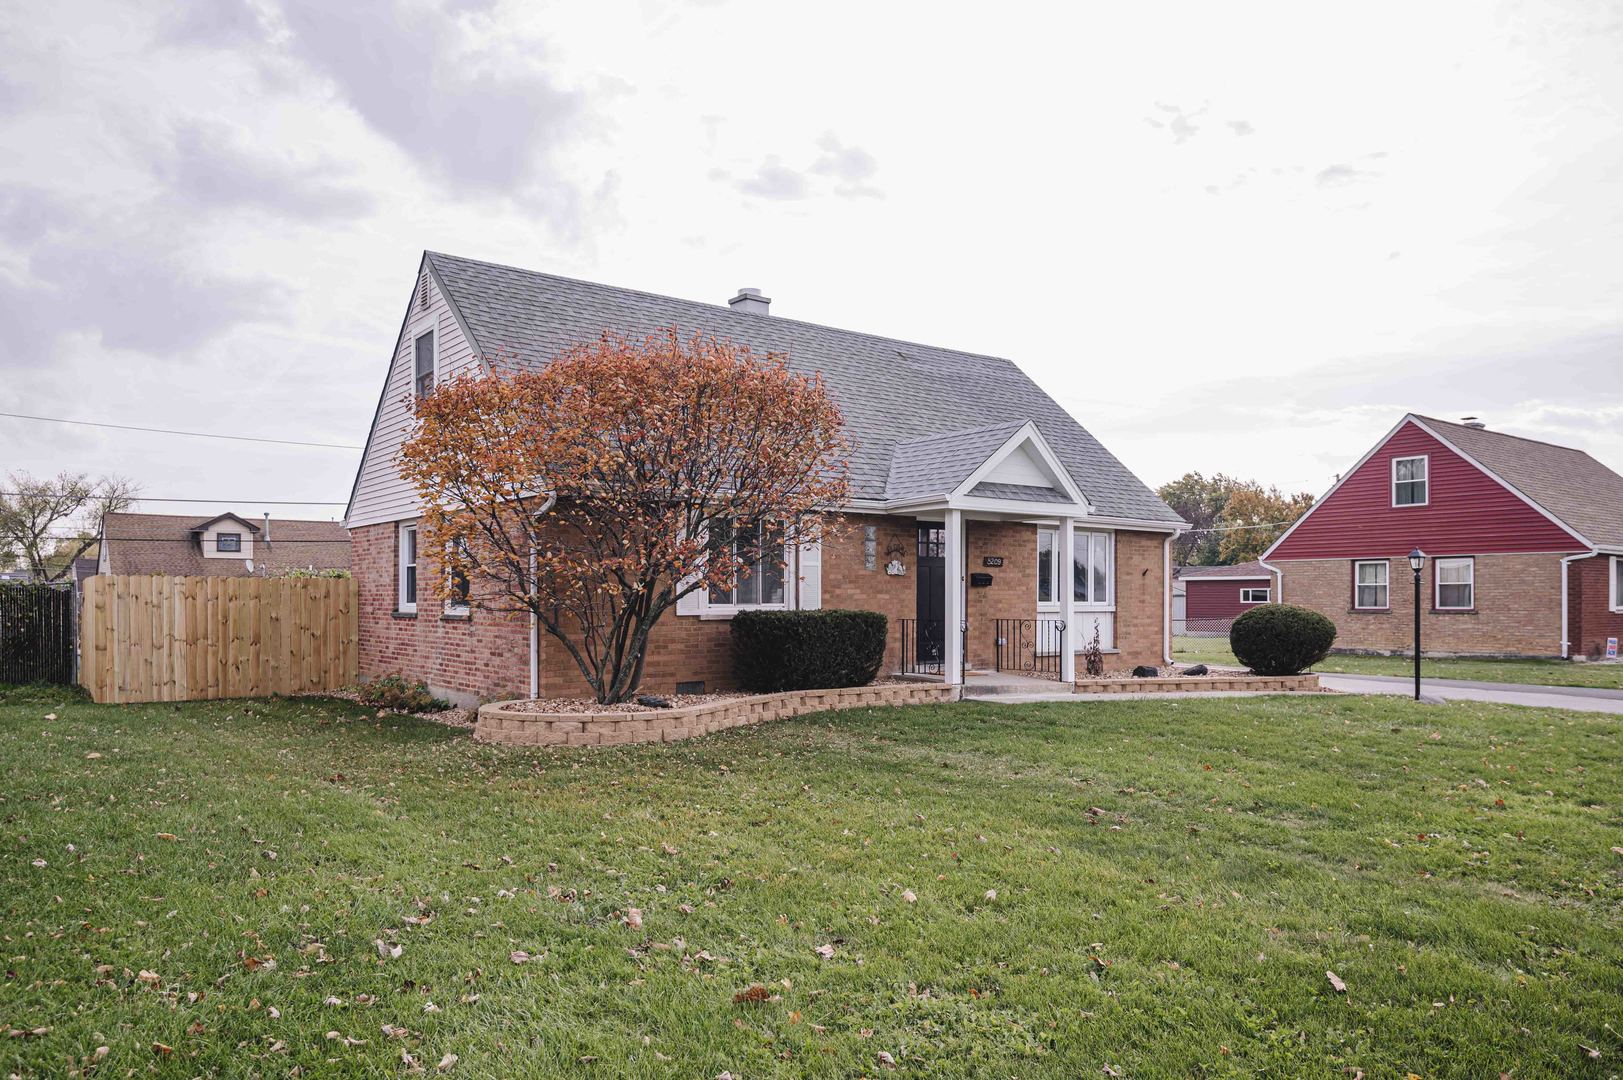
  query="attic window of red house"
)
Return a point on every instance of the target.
[{"x": 1410, "y": 476}]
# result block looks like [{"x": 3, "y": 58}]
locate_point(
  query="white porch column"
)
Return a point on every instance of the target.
[
  {"x": 952, "y": 644},
  {"x": 1068, "y": 638}
]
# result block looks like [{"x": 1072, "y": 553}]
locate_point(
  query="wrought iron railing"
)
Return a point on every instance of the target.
[
  {"x": 921, "y": 656},
  {"x": 1029, "y": 645}
]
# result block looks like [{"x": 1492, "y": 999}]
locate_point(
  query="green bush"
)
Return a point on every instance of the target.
[
  {"x": 395, "y": 693},
  {"x": 807, "y": 650},
  {"x": 1279, "y": 639}
]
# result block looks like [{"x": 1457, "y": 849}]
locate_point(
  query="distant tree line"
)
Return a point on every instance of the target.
[{"x": 1234, "y": 520}]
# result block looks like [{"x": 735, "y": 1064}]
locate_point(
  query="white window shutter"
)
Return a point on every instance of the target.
[
  {"x": 811, "y": 575},
  {"x": 693, "y": 602}
]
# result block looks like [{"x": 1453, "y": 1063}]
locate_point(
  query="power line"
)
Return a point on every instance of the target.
[
  {"x": 173, "y": 431},
  {"x": 239, "y": 502}
]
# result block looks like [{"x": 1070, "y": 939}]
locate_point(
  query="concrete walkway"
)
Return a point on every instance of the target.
[{"x": 1583, "y": 698}]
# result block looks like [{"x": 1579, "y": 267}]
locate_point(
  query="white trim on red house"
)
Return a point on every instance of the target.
[{"x": 1395, "y": 481}]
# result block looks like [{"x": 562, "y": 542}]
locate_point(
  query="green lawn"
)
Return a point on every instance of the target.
[
  {"x": 1199, "y": 650},
  {"x": 1157, "y": 887}
]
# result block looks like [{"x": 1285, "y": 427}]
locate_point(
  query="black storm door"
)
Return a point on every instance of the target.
[{"x": 932, "y": 592}]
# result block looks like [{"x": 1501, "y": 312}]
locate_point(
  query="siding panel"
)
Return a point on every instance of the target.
[
  {"x": 380, "y": 493},
  {"x": 1468, "y": 512}
]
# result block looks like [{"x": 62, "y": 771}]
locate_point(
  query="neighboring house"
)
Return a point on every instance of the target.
[
  {"x": 221, "y": 546},
  {"x": 1215, "y": 595},
  {"x": 966, "y": 478},
  {"x": 1523, "y": 542}
]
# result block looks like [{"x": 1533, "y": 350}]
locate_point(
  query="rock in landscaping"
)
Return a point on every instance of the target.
[
  {"x": 1198, "y": 669},
  {"x": 653, "y": 702},
  {"x": 1144, "y": 671}
]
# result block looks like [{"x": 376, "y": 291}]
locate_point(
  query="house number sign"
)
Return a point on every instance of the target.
[{"x": 992, "y": 560}]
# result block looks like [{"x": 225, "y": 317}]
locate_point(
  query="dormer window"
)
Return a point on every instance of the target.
[
  {"x": 1411, "y": 481},
  {"x": 424, "y": 382},
  {"x": 227, "y": 541}
]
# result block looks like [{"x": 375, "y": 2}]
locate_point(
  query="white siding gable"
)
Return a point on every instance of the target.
[
  {"x": 380, "y": 494},
  {"x": 1020, "y": 467}
]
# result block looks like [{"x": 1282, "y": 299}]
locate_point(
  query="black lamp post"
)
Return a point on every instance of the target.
[{"x": 1417, "y": 563}]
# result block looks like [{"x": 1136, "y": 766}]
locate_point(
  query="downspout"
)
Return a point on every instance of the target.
[
  {"x": 1166, "y": 600},
  {"x": 1566, "y": 562},
  {"x": 1279, "y": 576},
  {"x": 535, "y": 624}
]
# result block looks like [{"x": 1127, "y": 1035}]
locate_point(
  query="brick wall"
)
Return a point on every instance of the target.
[
  {"x": 480, "y": 657},
  {"x": 1517, "y": 613},
  {"x": 847, "y": 583},
  {"x": 485, "y": 656},
  {"x": 1140, "y": 600},
  {"x": 1592, "y": 620},
  {"x": 1013, "y": 592}
]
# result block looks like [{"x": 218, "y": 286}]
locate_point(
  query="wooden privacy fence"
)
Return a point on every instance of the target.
[{"x": 192, "y": 638}]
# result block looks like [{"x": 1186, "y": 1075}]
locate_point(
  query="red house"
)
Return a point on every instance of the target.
[
  {"x": 1523, "y": 542},
  {"x": 1215, "y": 595}
]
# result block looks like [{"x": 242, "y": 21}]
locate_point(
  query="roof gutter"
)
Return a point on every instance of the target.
[{"x": 1278, "y": 573}]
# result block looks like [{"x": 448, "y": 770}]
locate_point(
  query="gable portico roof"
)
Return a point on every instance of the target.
[{"x": 895, "y": 395}]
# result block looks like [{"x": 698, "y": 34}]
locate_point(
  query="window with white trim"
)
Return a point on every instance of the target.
[
  {"x": 1411, "y": 480},
  {"x": 1091, "y": 575},
  {"x": 1456, "y": 584},
  {"x": 456, "y": 586},
  {"x": 227, "y": 541},
  {"x": 761, "y": 547},
  {"x": 406, "y": 596},
  {"x": 424, "y": 349},
  {"x": 1254, "y": 596},
  {"x": 1370, "y": 586},
  {"x": 1617, "y": 582}
]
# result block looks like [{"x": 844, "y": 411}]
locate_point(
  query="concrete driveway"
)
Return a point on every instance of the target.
[{"x": 1583, "y": 698}]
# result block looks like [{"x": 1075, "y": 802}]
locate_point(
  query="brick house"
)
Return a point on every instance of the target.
[
  {"x": 1523, "y": 539},
  {"x": 970, "y": 487},
  {"x": 1215, "y": 595}
]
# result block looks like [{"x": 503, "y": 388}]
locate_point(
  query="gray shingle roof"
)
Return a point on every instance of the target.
[
  {"x": 938, "y": 464},
  {"x": 891, "y": 392},
  {"x": 1570, "y": 484},
  {"x": 163, "y": 544}
]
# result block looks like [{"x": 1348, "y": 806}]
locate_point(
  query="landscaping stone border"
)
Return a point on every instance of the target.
[
  {"x": 500, "y": 724},
  {"x": 1194, "y": 684}
]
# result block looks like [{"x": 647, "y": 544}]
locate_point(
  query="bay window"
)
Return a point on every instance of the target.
[
  {"x": 760, "y": 547},
  {"x": 1090, "y": 574},
  {"x": 1456, "y": 584}
]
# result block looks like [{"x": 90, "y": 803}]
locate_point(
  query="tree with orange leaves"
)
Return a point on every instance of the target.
[{"x": 592, "y": 493}]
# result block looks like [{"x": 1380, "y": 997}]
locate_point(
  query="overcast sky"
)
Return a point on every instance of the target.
[{"x": 1229, "y": 237}]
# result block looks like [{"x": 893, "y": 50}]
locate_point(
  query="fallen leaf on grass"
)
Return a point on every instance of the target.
[
  {"x": 910, "y": 896},
  {"x": 387, "y": 951},
  {"x": 886, "y": 1060},
  {"x": 446, "y": 1062},
  {"x": 334, "y": 1001},
  {"x": 991, "y": 894},
  {"x": 28, "y": 1033},
  {"x": 162, "y": 1049},
  {"x": 167, "y": 836},
  {"x": 1335, "y": 982},
  {"x": 633, "y": 918},
  {"x": 338, "y": 1036},
  {"x": 92, "y": 756},
  {"x": 1590, "y": 1050},
  {"x": 1617, "y": 851},
  {"x": 519, "y": 956},
  {"x": 752, "y": 994},
  {"x": 395, "y": 1031},
  {"x": 826, "y": 951}
]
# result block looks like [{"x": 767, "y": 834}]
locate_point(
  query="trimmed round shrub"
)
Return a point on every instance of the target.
[
  {"x": 1279, "y": 639},
  {"x": 807, "y": 650}
]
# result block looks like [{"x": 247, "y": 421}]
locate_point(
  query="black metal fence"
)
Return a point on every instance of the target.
[
  {"x": 921, "y": 656},
  {"x": 36, "y": 633},
  {"x": 1031, "y": 646}
]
